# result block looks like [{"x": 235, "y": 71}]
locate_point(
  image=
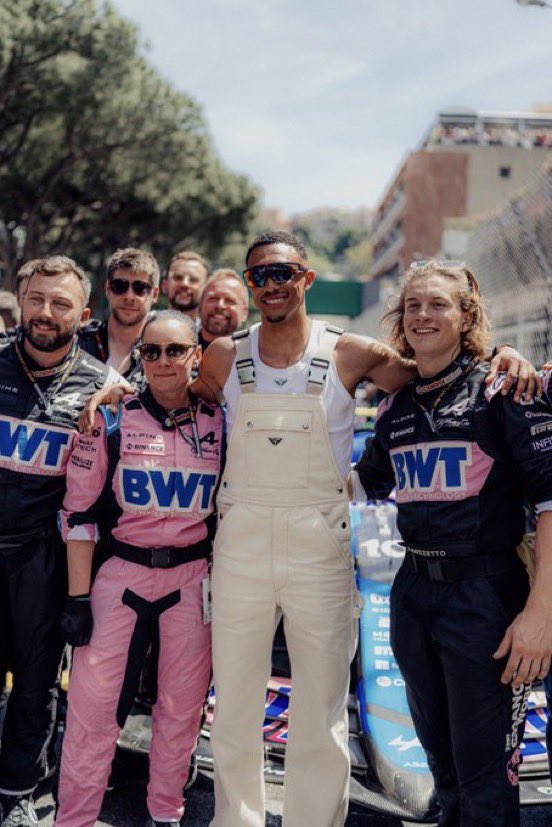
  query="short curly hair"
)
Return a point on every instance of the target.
[
  {"x": 57, "y": 266},
  {"x": 139, "y": 261},
  {"x": 190, "y": 255},
  {"x": 475, "y": 341},
  {"x": 277, "y": 237}
]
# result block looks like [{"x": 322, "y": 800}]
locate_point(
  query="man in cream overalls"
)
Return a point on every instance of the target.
[{"x": 282, "y": 545}]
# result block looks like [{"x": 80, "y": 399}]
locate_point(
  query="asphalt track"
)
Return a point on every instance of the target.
[{"x": 126, "y": 807}]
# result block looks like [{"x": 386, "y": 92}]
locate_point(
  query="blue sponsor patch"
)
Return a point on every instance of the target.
[
  {"x": 416, "y": 467},
  {"x": 30, "y": 446},
  {"x": 167, "y": 489}
]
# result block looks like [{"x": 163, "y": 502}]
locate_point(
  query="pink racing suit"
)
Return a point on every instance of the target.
[{"x": 145, "y": 465}]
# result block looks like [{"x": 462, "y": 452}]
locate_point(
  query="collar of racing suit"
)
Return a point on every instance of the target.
[
  {"x": 39, "y": 371},
  {"x": 165, "y": 418},
  {"x": 426, "y": 390}
]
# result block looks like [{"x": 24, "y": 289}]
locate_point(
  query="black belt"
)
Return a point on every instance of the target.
[
  {"x": 462, "y": 568},
  {"x": 165, "y": 557}
]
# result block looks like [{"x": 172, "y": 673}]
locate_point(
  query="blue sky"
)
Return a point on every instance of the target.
[{"x": 318, "y": 102}]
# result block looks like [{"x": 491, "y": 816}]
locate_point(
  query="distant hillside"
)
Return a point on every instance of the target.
[{"x": 337, "y": 239}]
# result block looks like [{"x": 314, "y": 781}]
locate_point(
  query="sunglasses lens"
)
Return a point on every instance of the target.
[
  {"x": 442, "y": 262},
  {"x": 119, "y": 286},
  {"x": 150, "y": 353},
  {"x": 141, "y": 288},
  {"x": 282, "y": 274},
  {"x": 175, "y": 351},
  {"x": 279, "y": 273}
]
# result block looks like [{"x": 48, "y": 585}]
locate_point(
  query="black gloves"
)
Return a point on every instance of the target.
[{"x": 76, "y": 621}]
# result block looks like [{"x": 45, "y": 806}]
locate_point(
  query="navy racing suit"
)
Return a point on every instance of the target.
[
  {"x": 38, "y": 416},
  {"x": 93, "y": 339},
  {"x": 462, "y": 457}
]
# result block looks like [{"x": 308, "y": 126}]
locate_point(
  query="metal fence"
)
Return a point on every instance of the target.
[{"x": 511, "y": 254}]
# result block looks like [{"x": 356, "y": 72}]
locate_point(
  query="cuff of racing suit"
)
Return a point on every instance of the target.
[
  {"x": 72, "y": 531},
  {"x": 541, "y": 507}
]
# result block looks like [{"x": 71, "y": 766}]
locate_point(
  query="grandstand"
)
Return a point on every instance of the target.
[{"x": 454, "y": 127}]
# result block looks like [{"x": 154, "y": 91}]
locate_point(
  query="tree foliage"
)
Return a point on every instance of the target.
[
  {"x": 96, "y": 149},
  {"x": 337, "y": 240}
]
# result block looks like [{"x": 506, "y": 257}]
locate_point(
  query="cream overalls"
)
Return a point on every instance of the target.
[{"x": 282, "y": 547}]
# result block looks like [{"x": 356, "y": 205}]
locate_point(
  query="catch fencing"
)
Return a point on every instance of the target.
[{"x": 511, "y": 254}]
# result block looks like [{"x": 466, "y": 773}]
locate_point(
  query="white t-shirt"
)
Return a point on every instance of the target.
[{"x": 336, "y": 401}]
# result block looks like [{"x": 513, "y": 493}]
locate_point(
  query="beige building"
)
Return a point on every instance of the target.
[{"x": 468, "y": 163}]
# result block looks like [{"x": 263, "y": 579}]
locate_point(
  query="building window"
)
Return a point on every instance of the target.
[{"x": 504, "y": 172}]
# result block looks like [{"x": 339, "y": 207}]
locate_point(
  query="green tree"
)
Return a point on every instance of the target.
[
  {"x": 358, "y": 259},
  {"x": 97, "y": 150},
  {"x": 337, "y": 239}
]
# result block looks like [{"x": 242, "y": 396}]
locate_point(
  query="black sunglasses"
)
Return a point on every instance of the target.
[
  {"x": 442, "y": 262},
  {"x": 120, "y": 286},
  {"x": 279, "y": 273},
  {"x": 152, "y": 352}
]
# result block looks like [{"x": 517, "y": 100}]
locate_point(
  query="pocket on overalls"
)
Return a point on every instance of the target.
[
  {"x": 277, "y": 445},
  {"x": 224, "y": 514},
  {"x": 335, "y": 524}
]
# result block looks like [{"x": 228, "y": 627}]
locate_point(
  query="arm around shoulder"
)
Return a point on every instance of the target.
[
  {"x": 359, "y": 357},
  {"x": 214, "y": 369}
]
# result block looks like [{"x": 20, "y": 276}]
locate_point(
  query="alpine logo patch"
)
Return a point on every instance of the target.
[
  {"x": 275, "y": 440},
  {"x": 281, "y": 382}
]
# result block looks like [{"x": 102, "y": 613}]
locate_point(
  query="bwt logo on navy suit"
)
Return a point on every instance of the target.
[
  {"x": 446, "y": 470},
  {"x": 166, "y": 489},
  {"x": 33, "y": 447}
]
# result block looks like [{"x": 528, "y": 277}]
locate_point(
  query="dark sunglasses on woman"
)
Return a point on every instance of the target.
[
  {"x": 151, "y": 352},
  {"x": 279, "y": 273},
  {"x": 120, "y": 286}
]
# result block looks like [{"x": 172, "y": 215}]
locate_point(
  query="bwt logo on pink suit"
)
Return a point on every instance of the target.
[
  {"x": 448, "y": 470},
  {"x": 166, "y": 489}
]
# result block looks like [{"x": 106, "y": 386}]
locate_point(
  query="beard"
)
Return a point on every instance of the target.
[
  {"x": 130, "y": 321},
  {"x": 183, "y": 303},
  {"x": 48, "y": 341},
  {"x": 219, "y": 326}
]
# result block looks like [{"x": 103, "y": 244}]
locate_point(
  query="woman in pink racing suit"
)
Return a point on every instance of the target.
[{"x": 152, "y": 469}]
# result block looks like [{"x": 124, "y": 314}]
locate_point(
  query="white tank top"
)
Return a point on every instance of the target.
[{"x": 338, "y": 405}]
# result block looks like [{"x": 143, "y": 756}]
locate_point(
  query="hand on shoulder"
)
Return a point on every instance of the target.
[{"x": 214, "y": 369}]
